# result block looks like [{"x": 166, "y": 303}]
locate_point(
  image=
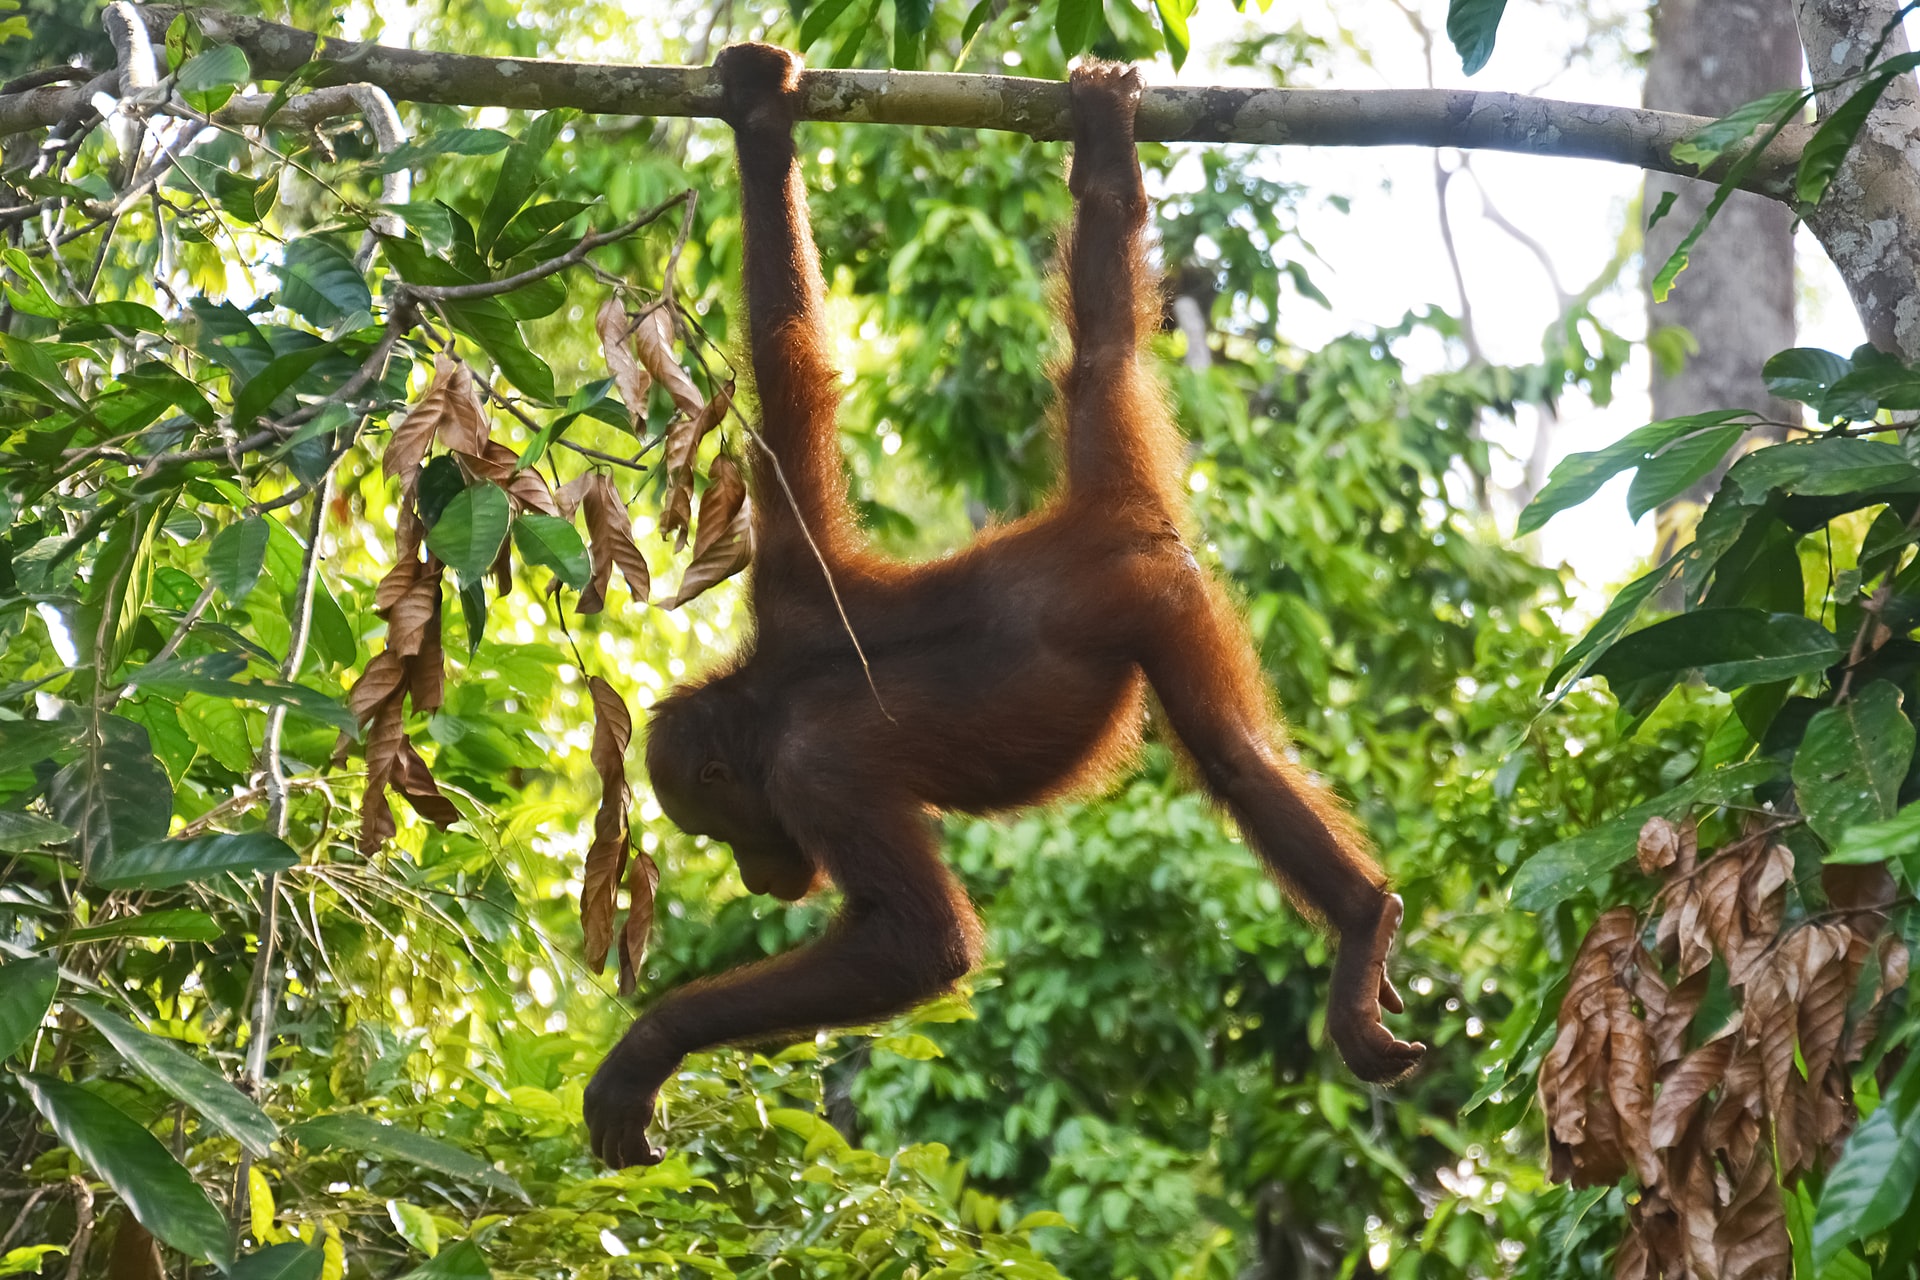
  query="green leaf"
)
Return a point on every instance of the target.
[
  {"x": 819, "y": 20},
  {"x": 162, "y": 1196},
  {"x": 1728, "y": 648},
  {"x": 1852, "y": 761},
  {"x": 1581, "y": 475},
  {"x": 1173, "y": 25},
  {"x": 473, "y": 608},
  {"x": 26, "y": 832},
  {"x": 218, "y": 726},
  {"x": 1777, "y": 111},
  {"x": 555, "y": 543},
  {"x": 273, "y": 381},
  {"x": 1075, "y": 25},
  {"x": 1678, "y": 467},
  {"x": 484, "y": 320},
  {"x": 1895, "y": 841},
  {"x": 360, "y": 1132},
  {"x": 207, "y": 79},
  {"x": 1580, "y": 865},
  {"x": 331, "y": 635},
  {"x": 415, "y": 1226},
  {"x": 26, "y": 742},
  {"x": 179, "y": 1074},
  {"x": 1805, "y": 374},
  {"x": 518, "y": 172},
  {"x": 468, "y": 535},
  {"x": 1716, "y": 139},
  {"x": 1821, "y": 467},
  {"x": 207, "y": 674},
  {"x": 319, "y": 282},
  {"x": 1827, "y": 149},
  {"x": 463, "y": 1261},
  {"x": 120, "y": 315},
  {"x": 236, "y": 555},
  {"x": 1472, "y": 26},
  {"x": 433, "y": 223},
  {"x": 1662, "y": 209},
  {"x": 910, "y": 1045},
  {"x": 1873, "y": 1184},
  {"x": 173, "y": 926},
  {"x": 115, "y": 797},
  {"x": 910, "y": 19},
  {"x": 166, "y": 863},
  {"x": 27, "y": 989},
  {"x": 294, "y": 1260},
  {"x": 460, "y": 142},
  {"x": 1612, "y": 624},
  {"x": 27, "y": 1259}
]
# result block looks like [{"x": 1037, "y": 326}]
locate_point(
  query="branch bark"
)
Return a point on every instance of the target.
[{"x": 1037, "y": 108}]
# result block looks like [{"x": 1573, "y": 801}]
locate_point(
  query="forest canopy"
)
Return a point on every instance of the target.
[{"x": 374, "y": 459}]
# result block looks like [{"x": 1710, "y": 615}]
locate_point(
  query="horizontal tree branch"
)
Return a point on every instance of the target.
[{"x": 1037, "y": 108}]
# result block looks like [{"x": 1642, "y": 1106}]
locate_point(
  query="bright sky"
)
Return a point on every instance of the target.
[{"x": 1385, "y": 256}]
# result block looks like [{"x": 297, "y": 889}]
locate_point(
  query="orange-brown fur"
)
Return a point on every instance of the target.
[{"x": 1008, "y": 674}]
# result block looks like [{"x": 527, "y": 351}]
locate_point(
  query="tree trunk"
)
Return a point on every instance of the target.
[
  {"x": 1736, "y": 296},
  {"x": 1870, "y": 219}
]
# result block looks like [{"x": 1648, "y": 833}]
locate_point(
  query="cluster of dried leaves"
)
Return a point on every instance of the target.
[
  {"x": 410, "y": 673},
  {"x": 1699, "y": 1115}
]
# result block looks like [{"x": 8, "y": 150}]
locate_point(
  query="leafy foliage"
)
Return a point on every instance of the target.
[{"x": 1763, "y": 1006}]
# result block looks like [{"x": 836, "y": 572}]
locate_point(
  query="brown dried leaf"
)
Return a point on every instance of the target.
[
  {"x": 414, "y": 780},
  {"x": 1585, "y": 1137},
  {"x": 1892, "y": 965},
  {"x": 416, "y": 609},
  {"x": 1632, "y": 1261},
  {"x": 654, "y": 334},
  {"x": 1659, "y": 845},
  {"x": 726, "y": 554},
  {"x": 501, "y": 465},
  {"x": 570, "y": 494},
  {"x": 1688, "y": 1083},
  {"x": 427, "y": 670},
  {"x": 450, "y": 411},
  {"x": 394, "y": 587},
  {"x": 1630, "y": 1086},
  {"x": 683, "y": 445},
  {"x": 503, "y": 569},
  {"x": 1765, "y": 876},
  {"x": 1825, "y": 988},
  {"x": 1833, "y": 1114},
  {"x": 386, "y": 735},
  {"x": 1696, "y": 1207},
  {"x": 1735, "y": 1124},
  {"x": 384, "y": 674},
  {"x": 616, "y": 341},
  {"x": 1752, "y": 1236},
  {"x": 432, "y": 413},
  {"x": 1895, "y": 962},
  {"x": 643, "y": 877},
  {"x": 607, "y": 856},
  {"x": 135, "y": 1256},
  {"x": 409, "y": 532},
  {"x": 1719, "y": 887},
  {"x": 1858, "y": 886},
  {"x": 1669, "y": 1026},
  {"x": 610, "y": 543}
]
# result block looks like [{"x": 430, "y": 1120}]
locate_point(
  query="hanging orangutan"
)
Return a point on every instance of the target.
[{"x": 875, "y": 693}]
